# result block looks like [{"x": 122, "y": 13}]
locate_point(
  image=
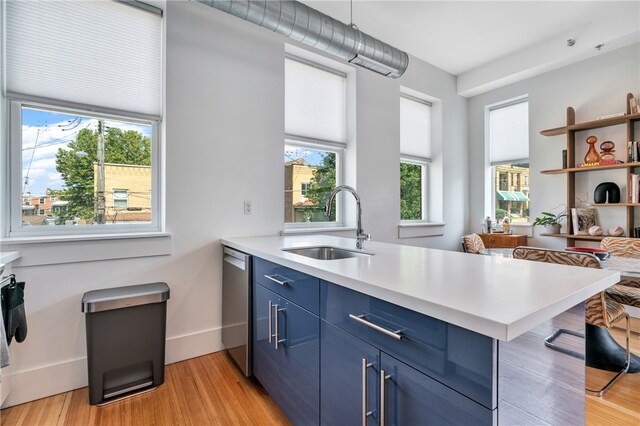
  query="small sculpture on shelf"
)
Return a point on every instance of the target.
[
  {"x": 596, "y": 230},
  {"x": 616, "y": 231},
  {"x": 606, "y": 192},
  {"x": 607, "y": 155},
  {"x": 592, "y": 155}
]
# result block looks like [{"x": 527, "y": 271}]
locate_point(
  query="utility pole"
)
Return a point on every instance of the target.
[{"x": 100, "y": 200}]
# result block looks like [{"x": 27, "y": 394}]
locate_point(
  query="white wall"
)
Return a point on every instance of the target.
[
  {"x": 593, "y": 87},
  {"x": 224, "y": 126}
]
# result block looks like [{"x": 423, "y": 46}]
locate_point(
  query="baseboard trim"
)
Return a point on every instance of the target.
[{"x": 52, "y": 379}]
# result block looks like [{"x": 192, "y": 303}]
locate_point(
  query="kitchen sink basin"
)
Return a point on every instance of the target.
[{"x": 326, "y": 252}]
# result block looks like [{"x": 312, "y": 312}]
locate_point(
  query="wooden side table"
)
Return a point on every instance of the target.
[{"x": 503, "y": 240}]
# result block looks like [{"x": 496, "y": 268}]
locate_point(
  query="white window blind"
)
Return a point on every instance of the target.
[
  {"x": 99, "y": 53},
  {"x": 415, "y": 128},
  {"x": 509, "y": 133},
  {"x": 315, "y": 102}
]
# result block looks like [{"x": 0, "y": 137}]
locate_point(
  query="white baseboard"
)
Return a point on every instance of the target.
[
  {"x": 52, "y": 379},
  {"x": 633, "y": 312}
]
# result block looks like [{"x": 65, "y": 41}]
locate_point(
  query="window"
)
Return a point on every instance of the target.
[
  {"x": 508, "y": 125},
  {"x": 120, "y": 198},
  {"x": 78, "y": 156},
  {"x": 415, "y": 156},
  {"x": 92, "y": 124},
  {"x": 315, "y": 127},
  {"x": 41, "y": 212}
]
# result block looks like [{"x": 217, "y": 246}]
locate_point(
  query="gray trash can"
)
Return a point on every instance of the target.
[{"x": 126, "y": 333}]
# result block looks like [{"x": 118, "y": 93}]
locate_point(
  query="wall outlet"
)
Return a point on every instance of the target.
[{"x": 248, "y": 209}]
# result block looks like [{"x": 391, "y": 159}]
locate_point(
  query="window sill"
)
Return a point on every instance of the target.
[
  {"x": 323, "y": 230},
  {"x": 420, "y": 229},
  {"x": 59, "y": 249}
]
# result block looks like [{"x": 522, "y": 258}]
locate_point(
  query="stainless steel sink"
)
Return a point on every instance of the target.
[{"x": 326, "y": 252}]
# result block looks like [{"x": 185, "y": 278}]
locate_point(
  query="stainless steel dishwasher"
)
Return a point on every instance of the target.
[{"x": 236, "y": 307}]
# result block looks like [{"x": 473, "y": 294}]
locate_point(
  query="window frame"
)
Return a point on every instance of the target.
[
  {"x": 13, "y": 224},
  {"x": 424, "y": 162},
  {"x": 490, "y": 170},
  {"x": 336, "y": 147}
]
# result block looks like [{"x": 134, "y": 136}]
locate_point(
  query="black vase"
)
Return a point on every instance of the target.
[{"x": 607, "y": 190}]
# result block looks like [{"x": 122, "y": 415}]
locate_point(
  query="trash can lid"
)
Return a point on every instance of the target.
[{"x": 124, "y": 297}]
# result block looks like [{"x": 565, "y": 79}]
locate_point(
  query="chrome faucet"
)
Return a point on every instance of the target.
[{"x": 360, "y": 234}]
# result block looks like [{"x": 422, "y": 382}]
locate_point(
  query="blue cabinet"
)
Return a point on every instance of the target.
[
  {"x": 286, "y": 352},
  {"x": 347, "y": 364},
  {"x": 352, "y": 388},
  {"x": 461, "y": 359},
  {"x": 346, "y": 367},
  {"x": 409, "y": 397}
]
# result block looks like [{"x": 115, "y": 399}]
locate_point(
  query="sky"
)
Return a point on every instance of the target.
[
  {"x": 43, "y": 134},
  {"x": 311, "y": 156}
]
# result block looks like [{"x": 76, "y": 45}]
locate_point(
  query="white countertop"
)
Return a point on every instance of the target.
[
  {"x": 499, "y": 297},
  {"x": 9, "y": 256}
]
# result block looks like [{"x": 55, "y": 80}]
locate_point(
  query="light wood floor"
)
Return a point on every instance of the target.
[
  {"x": 207, "y": 390},
  {"x": 210, "y": 390}
]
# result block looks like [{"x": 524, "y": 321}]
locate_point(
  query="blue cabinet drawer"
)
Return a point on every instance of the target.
[
  {"x": 461, "y": 359},
  {"x": 299, "y": 288}
]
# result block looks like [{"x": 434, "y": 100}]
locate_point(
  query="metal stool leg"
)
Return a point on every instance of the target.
[
  {"x": 619, "y": 374},
  {"x": 548, "y": 342}
]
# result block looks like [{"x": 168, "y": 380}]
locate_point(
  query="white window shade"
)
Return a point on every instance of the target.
[
  {"x": 415, "y": 128},
  {"x": 509, "y": 133},
  {"x": 99, "y": 53},
  {"x": 315, "y": 103}
]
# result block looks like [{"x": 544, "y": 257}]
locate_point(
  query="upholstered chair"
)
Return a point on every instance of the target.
[
  {"x": 472, "y": 243},
  {"x": 627, "y": 291},
  {"x": 600, "y": 309},
  {"x": 623, "y": 247}
]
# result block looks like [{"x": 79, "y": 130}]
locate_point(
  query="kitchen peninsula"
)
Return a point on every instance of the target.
[{"x": 403, "y": 333}]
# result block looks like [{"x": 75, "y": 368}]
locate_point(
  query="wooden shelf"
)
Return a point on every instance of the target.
[
  {"x": 590, "y": 169},
  {"x": 629, "y": 120},
  {"x": 593, "y": 124},
  {"x": 617, "y": 205},
  {"x": 576, "y": 237}
]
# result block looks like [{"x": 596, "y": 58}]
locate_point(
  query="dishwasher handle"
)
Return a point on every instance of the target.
[{"x": 236, "y": 258}]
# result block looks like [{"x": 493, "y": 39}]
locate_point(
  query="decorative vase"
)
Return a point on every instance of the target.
[{"x": 592, "y": 154}]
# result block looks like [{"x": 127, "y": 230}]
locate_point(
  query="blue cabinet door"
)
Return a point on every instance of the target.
[
  {"x": 289, "y": 372},
  {"x": 342, "y": 357},
  {"x": 413, "y": 398}
]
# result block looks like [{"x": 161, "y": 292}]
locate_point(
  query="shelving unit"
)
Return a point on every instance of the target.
[{"x": 629, "y": 120}]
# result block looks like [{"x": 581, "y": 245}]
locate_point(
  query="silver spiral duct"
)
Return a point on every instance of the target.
[{"x": 301, "y": 23}]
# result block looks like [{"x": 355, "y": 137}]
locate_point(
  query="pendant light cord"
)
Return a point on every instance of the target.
[{"x": 351, "y": 24}]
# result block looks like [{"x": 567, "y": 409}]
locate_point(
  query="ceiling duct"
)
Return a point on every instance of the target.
[{"x": 299, "y": 22}]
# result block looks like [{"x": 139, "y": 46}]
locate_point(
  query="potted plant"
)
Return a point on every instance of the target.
[{"x": 550, "y": 221}]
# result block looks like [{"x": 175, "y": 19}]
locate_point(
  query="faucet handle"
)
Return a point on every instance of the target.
[{"x": 363, "y": 237}]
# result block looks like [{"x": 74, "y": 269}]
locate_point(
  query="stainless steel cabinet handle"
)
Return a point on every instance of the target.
[
  {"x": 365, "y": 413},
  {"x": 275, "y": 280},
  {"x": 278, "y": 339},
  {"x": 383, "y": 378},
  {"x": 360, "y": 318},
  {"x": 270, "y": 325}
]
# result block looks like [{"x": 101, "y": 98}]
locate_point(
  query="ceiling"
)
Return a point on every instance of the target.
[{"x": 491, "y": 43}]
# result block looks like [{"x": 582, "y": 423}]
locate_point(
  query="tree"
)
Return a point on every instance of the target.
[
  {"x": 410, "y": 191},
  {"x": 75, "y": 164},
  {"x": 321, "y": 185}
]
